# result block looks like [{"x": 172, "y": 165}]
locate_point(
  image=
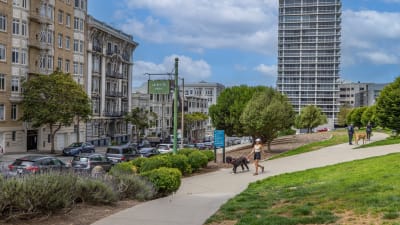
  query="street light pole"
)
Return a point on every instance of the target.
[
  {"x": 176, "y": 106},
  {"x": 183, "y": 113}
]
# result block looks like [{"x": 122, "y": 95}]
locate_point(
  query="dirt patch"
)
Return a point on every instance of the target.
[
  {"x": 349, "y": 217},
  {"x": 225, "y": 222},
  {"x": 82, "y": 214}
]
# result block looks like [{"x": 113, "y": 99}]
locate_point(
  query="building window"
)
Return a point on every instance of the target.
[
  {"x": 76, "y": 23},
  {"x": 2, "y": 82},
  {"x": 24, "y": 4},
  {"x": 76, "y": 68},
  {"x": 15, "y": 85},
  {"x": 76, "y": 45},
  {"x": 2, "y": 110},
  {"x": 24, "y": 56},
  {"x": 14, "y": 112},
  {"x": 24, "y": 28},
  {"x": 67, "y": 42},
  {"x": 2, "y": 52},
  {"x": 81, "y": 24},
  {"x": 67, "y": 65},
  {"x": 49, "y": 62},
  {"x": 59, "y": 63},
  {"x": 68, "y": 20},
  {"x": 13, "y": 135},
  {"x": 60, "y": 17},
  {"x": 59, "y": 40},
  {"x": 15, "y": 56},
  {"x": 76, "y": 3},
  {"x": 81, "y": 68},
  {"x": 15, "y": 26},
  {"x": 3, "y": 23},
  {"x": 81, "y": 46}
]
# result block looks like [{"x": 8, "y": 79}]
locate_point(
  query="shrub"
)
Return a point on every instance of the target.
[
  {"x": 180, "y": 162},
  {"x": 210, "y": 155},
  {"x": 187, "y": 151},
  {"x": 123, "y": 167},
  {"x": 133, "y": 187},
  {"x": 94, "y": 192},
  {"x": 155, "y": 163},
  {"x": 138, "y": 162},
  {"x": 165, "y": 180},
  {"x": 197, "y": 160},
  {"x": 37, "y": 194}
]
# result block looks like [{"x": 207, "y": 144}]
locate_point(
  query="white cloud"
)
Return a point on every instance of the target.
[
  {"x": 379, "y": 57},
  {"x": 268, "y": 70},
  {"x": 191, "y": 70},
  {"x": 247, "y": 25}
]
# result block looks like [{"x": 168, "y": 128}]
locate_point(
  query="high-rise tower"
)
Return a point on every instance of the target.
[{"x": 309, "y": 53}]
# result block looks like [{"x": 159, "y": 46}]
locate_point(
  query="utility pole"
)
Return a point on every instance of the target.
[
  {"x": 176, "y": 107},
  {"x": 183, "y": 113}
]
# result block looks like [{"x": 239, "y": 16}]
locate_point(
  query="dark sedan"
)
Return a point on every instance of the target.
[
  {"x": 148, "y": 152},
  {"x": 32, "y": 164},
  {"x": 78, "y": 148}
]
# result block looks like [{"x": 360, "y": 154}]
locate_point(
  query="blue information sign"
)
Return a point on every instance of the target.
[{"x": 219, "y": 138}]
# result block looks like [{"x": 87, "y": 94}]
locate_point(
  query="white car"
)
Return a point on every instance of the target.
[{"x": 165, "y": 148}]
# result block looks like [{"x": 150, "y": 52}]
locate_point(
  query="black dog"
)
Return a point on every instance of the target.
[{"x": 241, "y": 161}]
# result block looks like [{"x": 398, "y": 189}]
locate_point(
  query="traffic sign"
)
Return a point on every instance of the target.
[{"x": 219, "y": 138}]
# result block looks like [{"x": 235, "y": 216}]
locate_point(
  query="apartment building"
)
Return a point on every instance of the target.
[
  {"x": 359, "y": 94},
  {"x": 37, "y": 37},
  {"x": 309, "y": 53},
  {"x": 110, "y": 62}
]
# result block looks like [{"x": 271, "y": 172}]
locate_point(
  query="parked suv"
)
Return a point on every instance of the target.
[
  {"x": 87, "y": 161},
  {"x": 165, "y": 148},
  {"x": 121, "y": 153},
  {"x": 36, "y": 164}
]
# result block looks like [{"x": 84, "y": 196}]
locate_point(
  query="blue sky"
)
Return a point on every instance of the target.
[{"x": 234, "y": 42}]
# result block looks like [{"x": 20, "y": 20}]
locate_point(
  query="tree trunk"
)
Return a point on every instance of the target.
[
  {"x": 269, "y": 146},
  {"x": 77, "y": 131},
  {"x": 52, "y": 135}
]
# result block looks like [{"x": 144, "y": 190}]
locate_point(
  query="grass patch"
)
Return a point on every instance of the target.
[
  {"x": 368, "y": 188},
  {"x": 387, "y": 141},
  {"x": 337, "y": 138}
]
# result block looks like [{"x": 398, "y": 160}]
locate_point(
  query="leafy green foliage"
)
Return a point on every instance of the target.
[
  {"x": 124, "y": 168},
  {"x": 54, "y": 100},
  {"x": 309, "y": 118},
  {"x": 155, "y": 163},
  {"x": 187, "y": 151},
  {"x": 191, "y": 119},
  {"x": 369, "y": 116},
  {"x": 165, "y": 180},
  {"x": 356, "y": 116},
  {"x": 129, "y": 186},
  {"x": 141, "y": 118},
  {"x": 137, "y": 162},
  {"x": 343, "y": 113},
  {"x": 230, "y": 104},
  {"x": 210, "y": 154},
  {"x": 198, "y": 160},
  {"x": 387, "y": 106},
  {"x": 94, "y": 192},
  {"x": 181, "y": 162},
  {"x": 266, "y": 114}
]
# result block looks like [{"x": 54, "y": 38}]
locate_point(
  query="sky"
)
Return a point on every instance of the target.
[{"x": 234, "y": 42}]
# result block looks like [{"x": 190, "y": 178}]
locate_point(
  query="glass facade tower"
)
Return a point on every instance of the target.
[{"x": 309, "y": 53}]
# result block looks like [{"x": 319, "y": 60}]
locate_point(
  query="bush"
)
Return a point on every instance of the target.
[
  {"x": 180, "y": 162},
  {"x": 210, "y": 155},
  {"x": 133, "y": 187},
  {"x": 94, "y": 192},
  {"x": 123, "y": 167},
  {"x": 197, "y": 160},
  {"x": 138, "y": 162},
  {"x": 165, "y": 180},
  {"x": 187, "y": 151},
  {"x": 37, "y": 194},
  {"x": 155, "y": 163}
]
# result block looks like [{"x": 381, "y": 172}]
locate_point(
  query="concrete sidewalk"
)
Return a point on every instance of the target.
[{"x": 200, "y": 196}]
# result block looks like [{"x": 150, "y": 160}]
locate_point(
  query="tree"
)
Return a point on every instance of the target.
[
  {"x": 369, "y": 116},
  {"x": 266, "y": 114},
  {"x": 54, "y": 100},
  {"x": 191, "y": 119},
  {"x": 349, "y": 115},
  {"x": 356, "y": 116},
  {"x": 141, "y": 119},
  {"x": 310, "y": 117},
  {"x": 388, "y": 106},
  {"x": 230, "y": 104},
  {"x": 342, "y": 116}
]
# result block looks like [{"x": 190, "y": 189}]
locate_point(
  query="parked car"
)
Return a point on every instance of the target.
[
  {"x": 78, "y": 148},
  {"x": 189, "y": 146},
  {"x": 121, "y": 153},
  {"x": 31, "y": 164},
  {"x": 87, "y": 161},
  {"x": 149, "y": 152},
  {"x": 165, "y": 148},
  {"x": 201, "y": 146}
]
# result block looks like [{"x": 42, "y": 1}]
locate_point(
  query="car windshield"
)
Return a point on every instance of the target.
[
  {"x": 80, "y": 159},
  {"x": 113, "y": 151},
  {"x": 77, "y": 144},
  {"x": 22, "y": 163},
  {"x": 163, "y": 147}
]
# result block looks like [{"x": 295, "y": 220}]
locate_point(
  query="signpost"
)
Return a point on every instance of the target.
[
  {"x": 159, "y": 86},
  {"x": 219, "y": 142}
]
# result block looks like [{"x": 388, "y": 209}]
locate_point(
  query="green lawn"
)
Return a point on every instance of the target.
[
  {"x": 387, "y": 141},
  {"x": 337, "y": 138},
  {"x": 359, "y": 192}
]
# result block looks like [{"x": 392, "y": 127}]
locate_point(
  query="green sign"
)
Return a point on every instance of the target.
[{"x": 159, "y": 86}]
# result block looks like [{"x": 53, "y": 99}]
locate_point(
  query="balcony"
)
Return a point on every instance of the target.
[
  {"x": 37, "y": 70},
  {"x": 113, "y": 113},
  {"x": 97, "y": 49},
  {"x": 16, "y": 97},
  {"x": 39, "y": 18},
  {"x": 114, "y": 94},
  {"x": 34, "y": 43},
  {"x": 114, "y": 74}
]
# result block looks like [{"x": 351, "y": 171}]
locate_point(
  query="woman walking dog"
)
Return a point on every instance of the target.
[{"x": 258, "y": 147}]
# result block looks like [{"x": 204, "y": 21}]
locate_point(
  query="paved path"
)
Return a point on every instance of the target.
[{"x": 201, "y": 196}]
